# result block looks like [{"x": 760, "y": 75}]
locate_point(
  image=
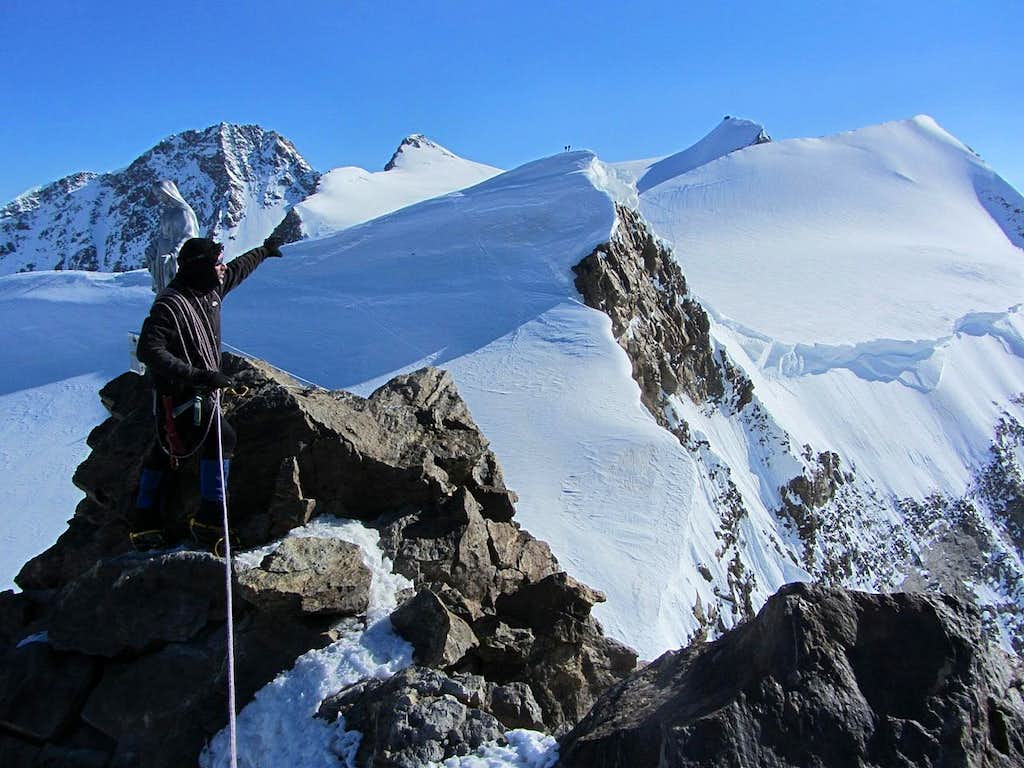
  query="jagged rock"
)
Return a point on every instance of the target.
[
  {"x": 502, "y": 645},
  {"x": 18, "y": 753},
  {"x": 455, "y": 548},
  {"x": 514, "y": 705},
  {"x": 15, "y": 613},
  {"x": 162, "y": 707},
  {"x": 666, "y": 333},
  {"x": 820, "y": 677},
  {"x": 533, "y": 625},
  {"x": 161, "y": 700},
  {"x": 28, "y": 671},
  {"x": 555, "y": 604},
  {"x": 66, "y": 757},
  {"x": 411, "y": 443},
  {"x": 75, "y": 552},
  {"x": 410, "y": 458},
  {"x": 309, "y": 576},
  {"x": 415, "y": 719},
  {"x": 439, "y": 637},
  {"x": 131, "y": 602}
]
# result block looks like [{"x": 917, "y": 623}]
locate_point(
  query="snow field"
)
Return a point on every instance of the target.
[
  {"x": 66, "y": 335},
  {"x": 874, "y": 234}
]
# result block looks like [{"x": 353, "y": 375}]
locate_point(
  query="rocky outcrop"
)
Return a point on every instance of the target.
[
  {"x": 530, "y": 622},
  {"x": 820, "y": 677},
  {"x": 419, "y": 717},
  {"x": 422, "y": 716},
  {"x": 131, "y": 646},
  {"x": 634, "y": 279},
  {"x": 808, "y": 492},
  {"x": 414, "y": 141},
  {"x": 308, "y": 576}
]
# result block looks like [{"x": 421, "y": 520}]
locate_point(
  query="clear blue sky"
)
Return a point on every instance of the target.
[{"x": 91, "y": 85}]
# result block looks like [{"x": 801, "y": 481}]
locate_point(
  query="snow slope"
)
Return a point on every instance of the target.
[
  {"x": 419, "y": 170},
  {"x": 880, "y": 233},
  {"x": 66, "y": 336}
]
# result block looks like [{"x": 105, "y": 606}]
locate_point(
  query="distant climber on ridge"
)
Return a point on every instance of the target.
[{"x": 180, "y": 345}]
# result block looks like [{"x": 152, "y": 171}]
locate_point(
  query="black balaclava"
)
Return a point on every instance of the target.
[{"x": 197, "y": 262}]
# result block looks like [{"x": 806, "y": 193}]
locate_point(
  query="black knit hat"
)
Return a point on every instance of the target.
[{"x": 198, "y": 248}]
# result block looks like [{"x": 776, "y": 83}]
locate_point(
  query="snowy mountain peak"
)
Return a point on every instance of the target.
[
  {"x": 416, "y": 149},
  {"x": 731, "y": 134},
  {"x": 418, "y": 170},
  {"x": 239, "y": 179}
]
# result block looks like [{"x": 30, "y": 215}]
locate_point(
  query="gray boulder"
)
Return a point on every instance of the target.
[
  {"x": 35, "y": 667},
  {"x": 309, "y": 576},
  {"x": 133, "y": 602},
  {"x": 439, "y": 637},
  {"x": 415, "y": 719},
  {"x": 821, "y": 677}
]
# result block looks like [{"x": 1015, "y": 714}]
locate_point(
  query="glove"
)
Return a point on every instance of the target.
[
  {"x": 212, "y": 380},
  {"x": 273, "y": 245}
]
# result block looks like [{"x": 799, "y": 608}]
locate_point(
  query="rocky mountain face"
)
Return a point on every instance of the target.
[
  {"x": 843, "y": 532},
  {"x": 130, "y": 646},
  {"x": 820, "y": 677},
  {"x": 239, "y": 179}
]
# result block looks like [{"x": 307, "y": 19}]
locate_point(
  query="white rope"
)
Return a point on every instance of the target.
[
  {"x": 299, "y": 379},
  {"x": 232, "y": 725}
]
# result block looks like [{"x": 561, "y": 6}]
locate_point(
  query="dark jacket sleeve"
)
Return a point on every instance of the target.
[
  {"x": 155, "y": 347},
  {"x": 242, "y": 266}
]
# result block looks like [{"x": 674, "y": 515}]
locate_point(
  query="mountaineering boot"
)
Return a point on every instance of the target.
[
  {"x": 147, "y": 526},
  {"x": 207, "y": 528},
  {"x": 144, "y": 541}
]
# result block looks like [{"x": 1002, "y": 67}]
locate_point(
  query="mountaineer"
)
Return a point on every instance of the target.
[{"x": 180, "y": 345}]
